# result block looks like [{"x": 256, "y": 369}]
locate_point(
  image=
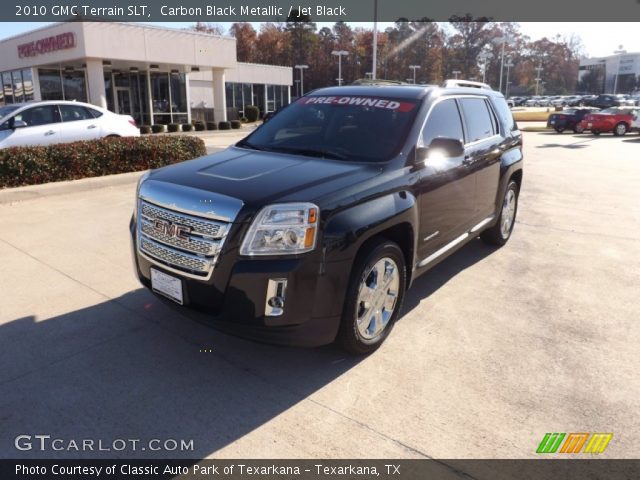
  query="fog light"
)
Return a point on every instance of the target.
[{"x": 276, "y": 289}]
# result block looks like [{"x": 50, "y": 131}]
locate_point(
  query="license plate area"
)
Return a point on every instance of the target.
[{"x": 167, "y": 286}]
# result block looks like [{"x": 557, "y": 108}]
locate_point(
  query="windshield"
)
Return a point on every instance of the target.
[
  {"x": 7, "y": 109},
  {"x": 356, "y": 128}
]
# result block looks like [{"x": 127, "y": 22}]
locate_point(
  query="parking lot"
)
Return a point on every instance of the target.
[{"x": 496, "y": 346}]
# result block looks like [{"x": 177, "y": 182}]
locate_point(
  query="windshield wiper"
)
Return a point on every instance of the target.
[
  {"x": 245, "y": 144},
  {"x": 311, "y": 152}
]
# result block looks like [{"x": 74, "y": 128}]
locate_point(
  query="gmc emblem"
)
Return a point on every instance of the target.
[{"x": 171, "y": 229}]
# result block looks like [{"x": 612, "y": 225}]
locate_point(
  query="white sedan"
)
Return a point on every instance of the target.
[
  {"x": 45, "y": 123},
  {"x": 635, "y": 121}
]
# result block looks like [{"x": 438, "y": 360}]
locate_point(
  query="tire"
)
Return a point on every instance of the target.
[
  {"x": 500, "y": 233},
  {"x": 363, "y": 328},
  {"x": 559, "y": 130},
  {"x": 595, "y": 132},
  {"x": 620, "y": 129},
  {"x": 578, "y": 129}
]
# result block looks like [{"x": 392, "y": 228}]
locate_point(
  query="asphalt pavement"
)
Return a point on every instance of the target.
[{"x": 496, "y": 346}]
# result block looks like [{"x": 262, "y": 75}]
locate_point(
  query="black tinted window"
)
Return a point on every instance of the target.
[
  {"x": 41, "y": 115},
  {"x": 95, "y": 113},
  {"x": 444, "y": 122},
  {"x": 477, "y": 119},
  {"x": 505, "y": 115},
  {"x": 73, "y": 113}
]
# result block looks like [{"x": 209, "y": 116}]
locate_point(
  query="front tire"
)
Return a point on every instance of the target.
[
  {"x": 559, "y": 129},
  {"x": 374, "y": 297},
  {"x": 500, "y": 233},
  {"x": 578, "y": 129}
]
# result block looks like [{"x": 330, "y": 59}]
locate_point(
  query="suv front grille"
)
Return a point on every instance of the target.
[{"x": 181, "y": 242}]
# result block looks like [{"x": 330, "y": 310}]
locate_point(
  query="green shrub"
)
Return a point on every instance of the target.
[
  {"x": 251, "y": 112},
  {"x": 212, "y": 126},
  {"x": 157, "y": 128},
  {"x": 224, "y": 125},
  {"x": 199, "y": 126},
  {"x": 145, "y": 129},
  {"x": 187, "y": 127},
  {"x": 71, "y": 161},
  {"x": 235, "y": 124},
  {"x": 243, "y": 119},
  {"x": 173, "y": 127}
]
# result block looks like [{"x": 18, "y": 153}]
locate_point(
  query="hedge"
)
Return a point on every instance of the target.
[
  {"x": 251, "y": 112},
  {"x": 187, "y": 127},
  {"x": 145, "y": 129},
  {"x": 224, "y": 125},
  {"x": 235, "y": 124},
  {"x": 71, "y": 161},
  {"x": 212, "y": 126},
  {"x": 157, "y": 128},
  {"x": 173, "y": 127},
  {"x": 199, "y": 126}
]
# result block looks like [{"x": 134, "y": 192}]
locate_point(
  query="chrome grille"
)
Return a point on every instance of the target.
[
  {"x": 198, "y": 226},
  {"x": 193, "y": 252},
  {"x": 174, "y": 258}
]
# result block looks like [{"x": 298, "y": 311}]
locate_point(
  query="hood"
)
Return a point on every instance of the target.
[{"x": 258, "y": 178}]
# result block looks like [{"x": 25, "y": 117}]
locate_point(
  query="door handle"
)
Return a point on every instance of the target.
[
  {"x": 91, "y": 126},
  {"x": 50, "y": 132},
  {"x": 468, "y": 160}
]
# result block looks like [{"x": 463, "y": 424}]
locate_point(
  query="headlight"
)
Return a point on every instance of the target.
[{"x": 285, "y": 228}]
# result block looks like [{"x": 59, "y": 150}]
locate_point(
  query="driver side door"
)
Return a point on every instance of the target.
[
  {"x": 446, "y": 186},
  {"x": 42, "y": 127}
]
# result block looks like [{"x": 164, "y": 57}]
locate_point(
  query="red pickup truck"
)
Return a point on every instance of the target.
[{"x": 617, "y": 120}]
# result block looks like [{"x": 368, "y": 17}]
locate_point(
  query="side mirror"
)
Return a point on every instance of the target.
[
  {"x": 13, "y": 123},
  {"x": 442, "y": 147}
]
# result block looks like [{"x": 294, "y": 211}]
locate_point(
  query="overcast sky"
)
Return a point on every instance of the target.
[{"x": 599, "y": 38}]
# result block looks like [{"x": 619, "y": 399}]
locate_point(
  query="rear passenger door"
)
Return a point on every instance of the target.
[
  {"x": 447, "y": 186},
  {"x": 78, "y": 123},
  {"x": 483, "y": 148}
]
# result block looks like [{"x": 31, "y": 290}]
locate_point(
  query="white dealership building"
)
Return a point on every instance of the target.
[
  {"x": 157, "y": 75},
  {"x": 619, "y": 72}
]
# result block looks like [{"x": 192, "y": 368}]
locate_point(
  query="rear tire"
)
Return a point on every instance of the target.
[
  {"x": 500, "y": 233},
  {"x": 620, "y": 129},
  {"x": 595, "y": 132},
  {"x": 578, "y": 129},
  {"x": 374, "y": 297},
  {"x": 559, "y": 130}
]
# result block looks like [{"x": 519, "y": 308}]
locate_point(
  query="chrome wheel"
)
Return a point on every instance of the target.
[
  {"x": 621, "y": 129},
  {"x": 377, "y": 298},
  {"x": 508, "y": 213}
]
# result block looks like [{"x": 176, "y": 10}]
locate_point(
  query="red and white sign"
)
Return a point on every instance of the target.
[
  {"x": 374, "y": 102},
  {"x": 63, "y": 41}
]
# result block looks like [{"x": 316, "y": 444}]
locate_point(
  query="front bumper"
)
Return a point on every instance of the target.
[{"x": 234, "y": 298}]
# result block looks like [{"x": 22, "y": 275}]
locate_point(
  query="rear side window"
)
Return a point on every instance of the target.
[
  {"x": 74, "y": 113},
  {"x": 505, "y": 115},
  {"x": 444, "y": 122},
  {"x": 477, "y": 119},
  {"x": 95, "y": 113}
]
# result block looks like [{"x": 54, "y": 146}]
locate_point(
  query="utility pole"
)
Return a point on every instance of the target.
[
  {"x": 508, "y": 65},
  {"x": 456, "y": 73}
]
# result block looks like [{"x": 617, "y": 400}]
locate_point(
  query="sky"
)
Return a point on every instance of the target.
[{"x": 599, "y": 39}]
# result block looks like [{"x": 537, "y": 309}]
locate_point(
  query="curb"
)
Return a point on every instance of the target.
[{"x": 31, "y": 192}]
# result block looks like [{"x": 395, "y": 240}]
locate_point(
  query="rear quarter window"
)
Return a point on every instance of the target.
[{"x": 504, "y": 115}]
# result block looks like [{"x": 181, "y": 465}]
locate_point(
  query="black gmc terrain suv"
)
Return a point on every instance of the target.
[{"x": 311, "y": 229}]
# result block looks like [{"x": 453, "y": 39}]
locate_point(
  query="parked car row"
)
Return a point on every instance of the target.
[
  {"x": 599, "y": 101},
  {"x": 49, "y": 122},
  {"x": 616, "y": 120}
]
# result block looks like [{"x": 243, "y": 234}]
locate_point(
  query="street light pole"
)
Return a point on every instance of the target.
[
  {"x": 503, "y": 41},
  {"x": 538, "y": 78},
  {"x": 414, "y": 68},
  {"x": 297, "y": 87},
  {"x": 374, "y": 66},
  {"x": 340, "y": 54},
  {"x": 618, "y": 52},
  {"x": 301, "y": 68},
  {"x": 508, "y": 65},
  {"x": 456, "y": 73}
]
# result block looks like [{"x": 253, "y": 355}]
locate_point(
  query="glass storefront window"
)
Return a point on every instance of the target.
[
  {"x": 50, "y": 84},
  {"x": 7, "y": 87},
  {"x": 160, "y": 98},
  {"x": 178, "y": 94},
  {"x": 74, "y": 86},
  {"x": 18, "y": 87},
  {"x": 27, "y": 84}
]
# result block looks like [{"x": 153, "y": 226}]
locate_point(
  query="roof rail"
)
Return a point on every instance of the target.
[{"x": 453, "y": 83}]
